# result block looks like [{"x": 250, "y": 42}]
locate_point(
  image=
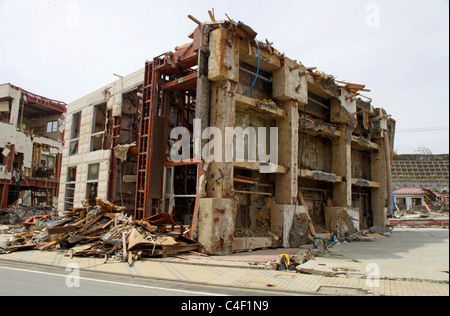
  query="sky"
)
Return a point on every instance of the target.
[{"x": 399, "y": 49}]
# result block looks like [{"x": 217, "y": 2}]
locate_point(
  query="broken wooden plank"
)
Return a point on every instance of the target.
[
  {"x": 253, "y": 192},
  {"x": 98, "y": 228},
  {"x": 60, "y": 230},
  {"x": 54, "y": 242},
  {"x": 89, "y": 224},
  {"x": 211, "y": 15},
  {"x": 302, "y": 202},
  {"x": 124, "y": 244},
  {"x": 194, "y": 19}
]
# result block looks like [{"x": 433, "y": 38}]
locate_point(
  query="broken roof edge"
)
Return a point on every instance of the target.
[
  {"x": 248, "y": 32},
  {"x": 136, "y": 78},
  {"x": 38, "y": 99},
  {"x": 414, "y": 191}
]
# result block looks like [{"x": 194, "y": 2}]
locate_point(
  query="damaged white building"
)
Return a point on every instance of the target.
[{"x": 30, "y": 146}]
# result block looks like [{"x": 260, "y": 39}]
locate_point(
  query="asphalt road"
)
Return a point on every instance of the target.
[{"x": 22, "y": 279}]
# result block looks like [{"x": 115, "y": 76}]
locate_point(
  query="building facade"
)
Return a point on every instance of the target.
[
  {"x": 30, "y": 145},
  {"x": 308, "y": 154},
  {"x": 95, "y": 125}
]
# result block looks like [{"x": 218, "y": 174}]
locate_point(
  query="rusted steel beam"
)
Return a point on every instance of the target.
[{"x": 184, "y": 83}]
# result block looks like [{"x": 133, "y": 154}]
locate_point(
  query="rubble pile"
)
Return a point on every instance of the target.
[
  {"x": 105, "y": 231},
  {"x": 17, "y": 214}
]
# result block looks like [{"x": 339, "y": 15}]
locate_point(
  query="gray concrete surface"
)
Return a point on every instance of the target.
[{"x": 419, "y": 253}]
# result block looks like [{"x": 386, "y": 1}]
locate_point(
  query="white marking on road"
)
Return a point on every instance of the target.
[{"x": 116, "y": 283}]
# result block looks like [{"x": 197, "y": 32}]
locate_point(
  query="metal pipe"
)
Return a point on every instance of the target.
[
  {"x": 318, "y": 103},
  {"x": 258, "y": 193},
  {"x": 254, "y": 74}
]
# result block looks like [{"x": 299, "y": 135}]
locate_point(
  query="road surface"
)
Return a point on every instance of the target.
[{"x": 35, "y": 280}]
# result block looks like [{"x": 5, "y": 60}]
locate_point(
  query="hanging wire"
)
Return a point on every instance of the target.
[{"x": 259, "y": 60}]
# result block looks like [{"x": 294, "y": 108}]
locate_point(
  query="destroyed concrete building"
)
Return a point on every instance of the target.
[
  {"x": 31, "y": 147},
  {"x": 419, "y": 200},
  {"x": 333, "y": 169}
]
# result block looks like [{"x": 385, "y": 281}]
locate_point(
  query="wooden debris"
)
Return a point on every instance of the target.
[
  {"x": 194, "y": 19},
  {"x": 302, "y": 201},
  {"x": 106, "y": 231}
]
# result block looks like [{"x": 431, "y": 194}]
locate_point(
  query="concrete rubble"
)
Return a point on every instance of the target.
[{"x": 18, "y": 214}]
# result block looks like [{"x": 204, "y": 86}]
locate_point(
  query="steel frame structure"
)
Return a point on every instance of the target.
[{"x": 166, "y": 74}]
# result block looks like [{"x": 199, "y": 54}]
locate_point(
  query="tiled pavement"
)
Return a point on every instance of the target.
[{"x": 226, "y": 275}]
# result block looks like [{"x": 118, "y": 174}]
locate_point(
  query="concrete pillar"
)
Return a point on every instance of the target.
[
  {"x": 223, "y": 71},
  {"x": 220, "y": 172},
  {"x": 342, "y": 166},
  {"x": 286, "y": 185},
  {"x": 291, "y": 224},
  {"x": 379, "y": 195},
  {"x": 216, "y": 222},
  {"x": 289, "y": 220},
  {"x": 217, "y": 212},
  {"x": 342, "y": 221}
]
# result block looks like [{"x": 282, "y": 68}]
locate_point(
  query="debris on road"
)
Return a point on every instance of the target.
[
  {"x": 322, "y": 248},
  {"x": 105, "y": 231}
]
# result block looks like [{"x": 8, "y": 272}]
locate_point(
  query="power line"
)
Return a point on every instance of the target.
[{"x": 423, "y": 129}]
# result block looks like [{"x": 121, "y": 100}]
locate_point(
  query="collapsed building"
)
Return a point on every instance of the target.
[
  {"x": 32, "y": 129},
  {"x": 332, "y": 172}
]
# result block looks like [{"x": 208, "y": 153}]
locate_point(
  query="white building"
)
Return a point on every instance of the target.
[{"x": 95, "y": 124}]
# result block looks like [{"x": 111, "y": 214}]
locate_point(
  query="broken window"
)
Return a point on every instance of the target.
[
  {"x": 52, "y": 127},
  {"x": 70, "y": 188},
  {"x": 400, "y": 203},
  {"x": 3, "y": 156},
  {"x": 92, "y": 183},
  {"x": 181, "y": 192},
  {"x": 98, "y": 128},
  {"x": 75, "y": 134},
  {"x": 5, "y": 111},
  {"x": 317, "y": 107},
  {"x": 44, "y": 163},
  {"x": 262, "y": 88}
]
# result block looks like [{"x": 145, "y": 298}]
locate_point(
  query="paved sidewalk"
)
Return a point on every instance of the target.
[{"x": 240, "y": 277}]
